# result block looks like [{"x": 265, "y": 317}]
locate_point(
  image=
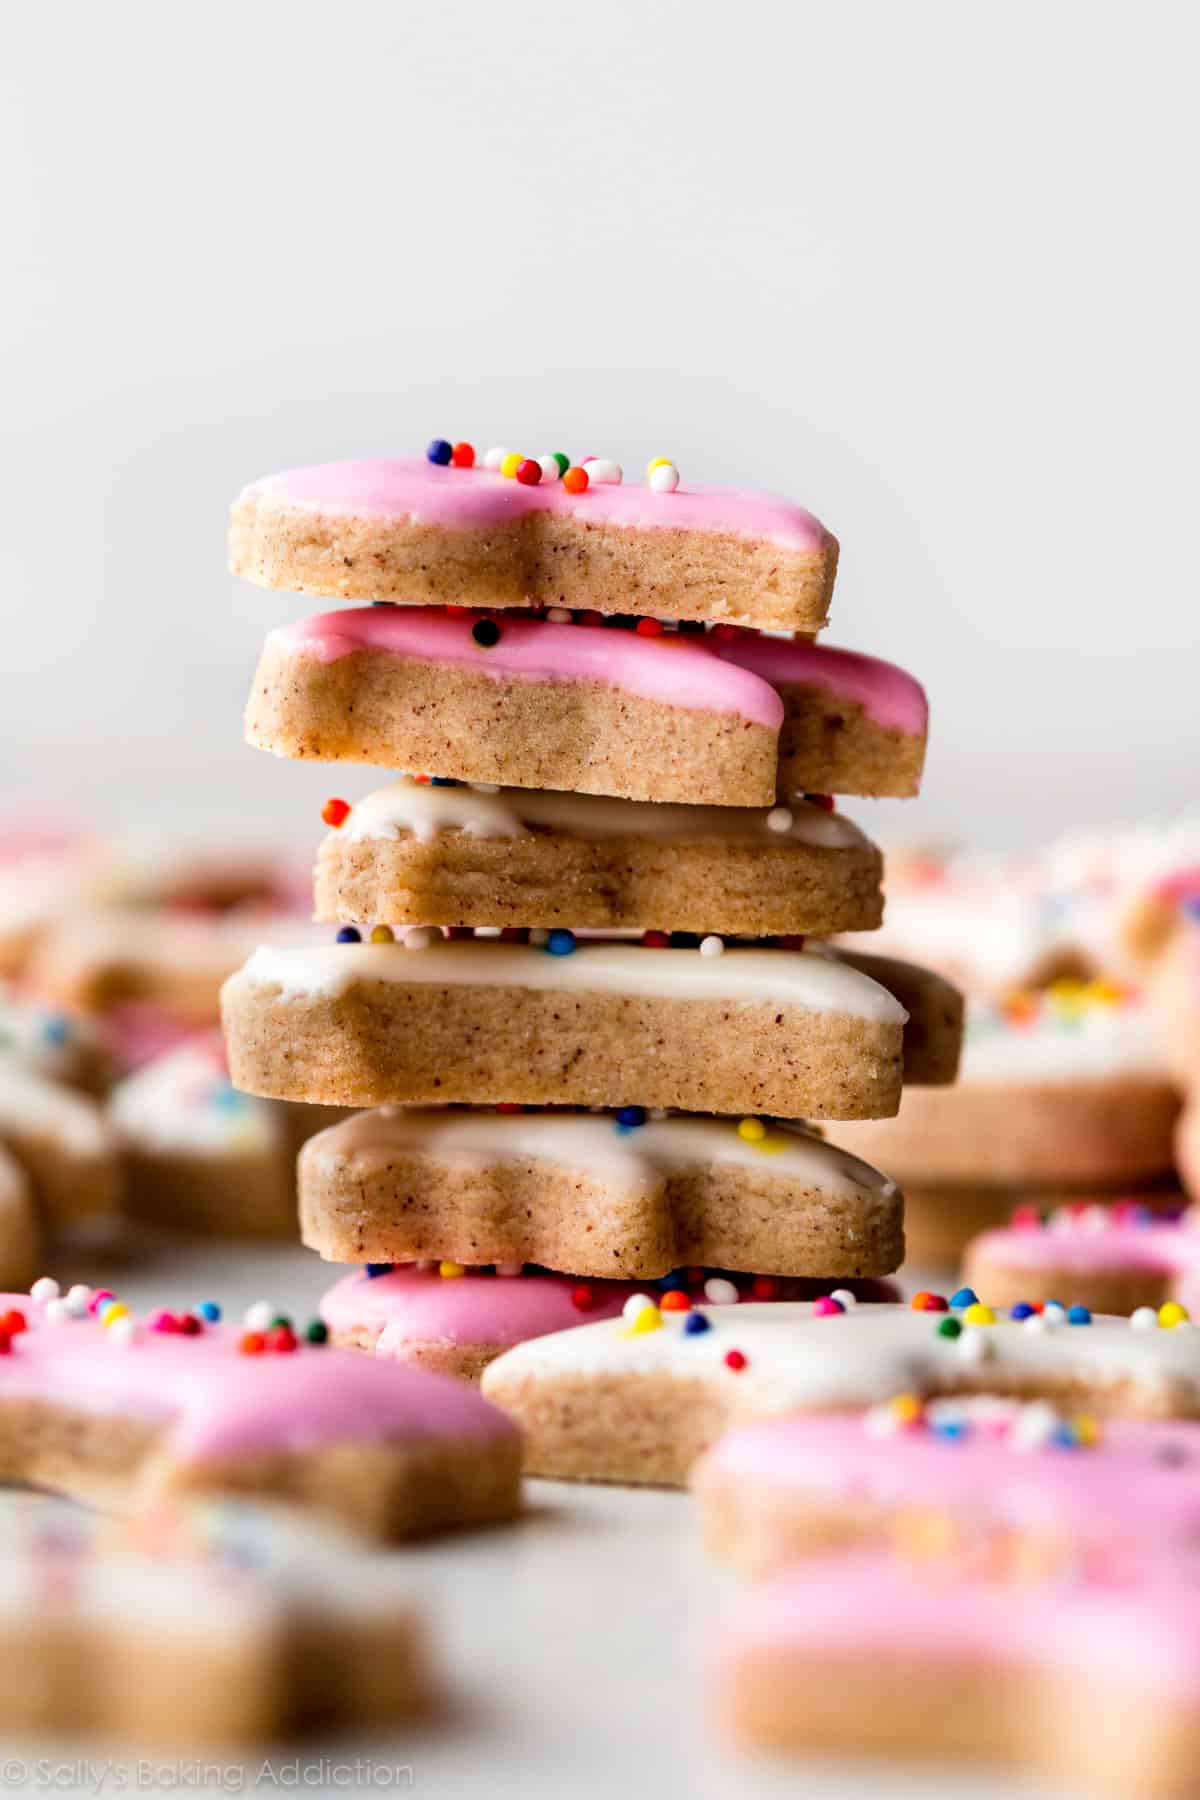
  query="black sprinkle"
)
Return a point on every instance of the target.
[{"x": 486, "y": 632}]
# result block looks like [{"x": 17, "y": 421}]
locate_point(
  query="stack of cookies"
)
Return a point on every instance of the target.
[{"x": 573, "y": 975}]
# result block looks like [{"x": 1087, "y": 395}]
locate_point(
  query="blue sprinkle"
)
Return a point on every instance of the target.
[
  {"x": 953, "y": 1429},
  {"x": 374, "y": 1269},
  {"x": 1063, "y": 1437},
  {"x": 349, "y": 934},
  {"x": 631, "y": 1116},
  {"x": 1022, "y": 1310},
  {"x": 56, "y": 1029},
  {"x": 439, "y": 451},
  {"x": 674, "y": 1283},
  {"x": 1191, "y": 906},
  {"x": 226, "y": 1098},
  {"x": 965, "y": 1297},
  {"x": 695, "y": 1322},
  {"x": 1078, "y": 1315},
  {"x": 208, "y": 1309},
  {"x": 560, "y": 943},
  {"x": 442, "y": 781}
]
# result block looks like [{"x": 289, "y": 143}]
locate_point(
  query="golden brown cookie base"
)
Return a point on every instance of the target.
[
  {"x": 550, "y": 878},
  {"x": 385, "y": 1490},
  {"x": 73, "y": 1176},
  {"x": 368, "y": 1204},
  {"x": 538, "y": 560},
  {"x": 1098, "y": 1132},
  {"x": 20, "y": 1233},
  {"x": 832, "y": 746},
  {"x": 466, "y": 1362},
  {"x": 387, "y": 1043},
  {"x": 933, "y": 1034},
  {"x": 584, "y": 737},
  {"x": 1113, "y": 1740}
]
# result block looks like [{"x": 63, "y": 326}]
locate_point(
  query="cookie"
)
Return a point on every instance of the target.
[
  {"x": 779, "y": 1489},
  {"x": 20, "y": 1227},
  {"x": 205, "y": 1623},
  {"x": 638, "y": 1401},
  {"x": 170, "y": 962},
  {"x": 1187, "y": 1146},
  {"x": 750, "y": 1030},
  {"x": 1173, "y": 994},
  {"x": 1059, "y": 1096},
  {"x": 415, "y": 853},
  {"x": 585, "y": 708},
  {"x": 45, "y": 871},
  {"x": 1092, "y": 1682},
  {"x": 410, "y": 530},
  {"x": 65, "y": 1144},
  {"x": 1110, "y": 1258},
  {"x": 457, "y": 1320},
  {"x": 198, "y": 1156},
  {"x": 119, "y": 1413},
  {"x": 597, "y": 1195},
  {"x": 57, "y": 1045}
]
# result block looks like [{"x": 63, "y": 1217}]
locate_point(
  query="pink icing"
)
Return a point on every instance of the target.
[
  {"x": 1170, "y": 1250},
  {"x": 1143, "y": 1478},
  {"x": 1120, "y": 1625},
  {"x": 886, "y": 693},
  {"x": 670, "y": 669},
  {"x": 412, "y": 488},
  {"x": 215, "y": 1402},
  {"x": 411, "y": 1304}
]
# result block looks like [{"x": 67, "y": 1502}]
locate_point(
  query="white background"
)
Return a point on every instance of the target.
[{"x": 930, "y": 268}]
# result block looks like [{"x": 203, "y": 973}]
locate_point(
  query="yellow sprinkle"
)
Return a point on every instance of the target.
[
  {"x": 752, "y": 1130},
  {"x": 1171, "y": 1313},
  {"x": 905, "y": 1407},
  {"x": 1105, "y": 993},
  {"x": 116, "y": 1311},
  {"x": 649, "y": 1319},
  {"x": 659, "y": 462},
  {"x": 382, "y": 934},
  {"x": 511, "y": 464},
  {"x": 449, "y": 1268},
  {"x": 979, "y": 1314},
  {"x": 1086, "y": 1428},
  {"x": 771, "y": 1143}
]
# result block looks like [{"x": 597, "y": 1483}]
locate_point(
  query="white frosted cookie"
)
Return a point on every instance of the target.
[{"x": 65, "y": 1144}]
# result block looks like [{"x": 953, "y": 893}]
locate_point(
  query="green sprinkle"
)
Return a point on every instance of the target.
[{"x": 949, "y": 1328}]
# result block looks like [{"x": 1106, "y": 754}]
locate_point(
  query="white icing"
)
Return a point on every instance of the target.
[
  {"x": 184, "y": 1101},
  {"x": 407, "y": 805},
  {"x": 741, "y": 975},
  {"x": 594, "y": 1141},
  {"x": 858, "y": 1358},
  {"x": 31, "y": 1104},
  {"x": 1099, "y": 1041}
]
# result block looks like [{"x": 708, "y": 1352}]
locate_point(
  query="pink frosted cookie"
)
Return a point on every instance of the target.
[
  {"x": 637, "y": 1401},
  {"x": 205, "y": 1622},
  {"x": 1112, "y": 1259},
  {"x": 120, "y": 1412},
  {"x": 199, "y": 1156},
  {"x": 596, "y": 1193},
  {"x": 1091, "y": 1680},
  {"x": 458, "y": 1320},
  {"x": 412, "y": 529},
  {"x": 586, "y": 708},
  {"x": 584, "y": 1024},
  {"x": 961, "y": 1467}
]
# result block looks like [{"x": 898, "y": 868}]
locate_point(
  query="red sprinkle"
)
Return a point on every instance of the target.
[
  {"x": 656, "y": 940},
  {"x": 824, "y": 801},
  {"x": 927, "y": 1302},
  {"x": 456, "y": 933},
  {"x": 696, "y": 1278},
  {"x": 582, "y": 1298},
  {"x": 189, "y": 1325},
  {"x": 529, "y": 473},
  {"x": 675, "y": 1301},
  {"x": 735, "y": 1359},
  {"x": 514, "y": 934},
  {"x": 281, "y": 1338},
  {"x": 5, "y": 1343},
  {"x": 98, "y": 1298},
  {"x": 463, "y": 456},
  {"x": 13, "y": 1322},
  {"x": 335, "y": 812},
  {"x": 590, "y": 618},
  {"x": 791, "y": 940},
  {"x": 1025, "y": 1218},
  {"x": 509, "y": 1106},
  {"x": 649, "y": 628},
  {"x": 765, "y": 1287},
  {"x": 252, "y": 1343}
]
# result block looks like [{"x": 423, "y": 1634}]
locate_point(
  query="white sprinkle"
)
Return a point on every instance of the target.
[
  {"x": 422, "y": 937},
  {"x": 974, "y": 1344},
  {"x": 712, "y": 946},
  {"x": 560, "y": 615},
  {"x": 636, "y": 1303},
  {"x": 485, "y": 787},
  {"x": 494, "y": 458},
  {"x": 664, "y": 479},
  {"x": 1054, "y": 1313},
  {"x": 1034, "y": 1425},
  {"x": 845, "y": 1296},
  {"x": 123, "y": 1331},
  {"x": 258, "y": 1317},
  {"x": 483, "y": 931},
  {"x": 608, "y": 474},
  {"x": 719, "y": 1292},
  {"x": 77, "y": 1300},
  {"x": 880, "y": 1422},
  {"x": 44, "y": 1290},
  {"x": 549, "y": 467},
  {"x": 56, "y": 1312},
  {"x": 1037, "y": 1323},
  {"x": 779, "y": 819},
  {"x": 1144, "y": 1319}
]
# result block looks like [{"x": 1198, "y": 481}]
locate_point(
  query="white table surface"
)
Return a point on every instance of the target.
[{"x": 572, "y": 1643}]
